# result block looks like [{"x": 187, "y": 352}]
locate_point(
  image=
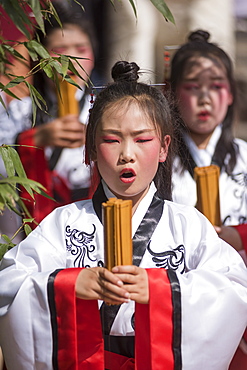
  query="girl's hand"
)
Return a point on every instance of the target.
[
  {"x": 65, "y": 132},
  {"x": 135, "y": 281},
  {"x": 99, "y": 283}
]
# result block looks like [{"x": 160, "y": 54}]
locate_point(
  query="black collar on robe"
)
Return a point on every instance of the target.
[{"x": 140, "y": 241}]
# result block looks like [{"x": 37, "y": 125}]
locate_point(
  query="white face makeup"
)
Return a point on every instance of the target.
[{"x": 204, "y": 97}]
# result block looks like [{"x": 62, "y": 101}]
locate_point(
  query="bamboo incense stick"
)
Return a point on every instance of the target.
[
  {"x": 208, "y": 196},
  {"x": 117, "y": 216},
  {"x": 67, "y": 103}
]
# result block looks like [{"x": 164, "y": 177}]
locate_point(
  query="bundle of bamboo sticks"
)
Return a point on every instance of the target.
[
  {"x": 208, "y": 196},
  {"x": 117, "y": 214},
  {"x": 67, "y": 103}
]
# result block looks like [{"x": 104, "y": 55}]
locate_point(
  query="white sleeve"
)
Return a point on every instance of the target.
[
  {"x": 213, "y": 300},
  {"x": 14, "y": 120},
  {"x": 24, "y": 308}
]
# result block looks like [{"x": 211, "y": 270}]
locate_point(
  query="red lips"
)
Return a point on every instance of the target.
[
  {"x": 204, "y": 115},
  {"x": 127, "y": 175}
]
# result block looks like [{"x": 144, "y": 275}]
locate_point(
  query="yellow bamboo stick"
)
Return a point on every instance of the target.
[
  {"x": 67, "y": 103},
  {"x": 208, "y": 196},
  {"x": 117, "y": 216}
]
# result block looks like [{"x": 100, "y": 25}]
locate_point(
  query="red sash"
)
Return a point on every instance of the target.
[{"x": 80, "y": 341}]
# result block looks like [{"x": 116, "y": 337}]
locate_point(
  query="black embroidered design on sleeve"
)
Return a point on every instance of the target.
[
  {"x": 79, "y": 244},
  {"x": 172, "y": 259},
  {"x": 240, "y": 199},
  {"x": 240, "y": 178}
]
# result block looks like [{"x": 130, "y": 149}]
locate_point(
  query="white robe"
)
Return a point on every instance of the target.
[
  {"x": 233, "y": 189},
  {"x": 212, "y": 278}
]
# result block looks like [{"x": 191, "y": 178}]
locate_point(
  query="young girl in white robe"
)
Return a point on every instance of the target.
[
  {"x": 203, "y": 83},
  {"x": 173, "y": 308}
]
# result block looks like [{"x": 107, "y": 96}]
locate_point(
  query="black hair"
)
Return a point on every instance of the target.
[
  {"x": 67, "y": 16},
  {"x": 151, "y": 100},
  {"x": 198, "y": 45}
]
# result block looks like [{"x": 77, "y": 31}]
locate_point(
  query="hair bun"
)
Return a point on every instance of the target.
[
  {"x": 199, "y": 35},
  {"x": 125, "y": 71}
]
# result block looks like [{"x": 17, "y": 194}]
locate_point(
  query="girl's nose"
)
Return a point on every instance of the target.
[
  {"x": 204, "y": 96},
  {"x": 126, "y": 154}
]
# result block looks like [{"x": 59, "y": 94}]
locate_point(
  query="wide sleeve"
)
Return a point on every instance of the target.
[
  {"x": 24, "y": 308},
  {"x": 213, "y": 298}
]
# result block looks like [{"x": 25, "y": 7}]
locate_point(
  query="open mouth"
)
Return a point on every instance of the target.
[{"x": 127, "y": 175}]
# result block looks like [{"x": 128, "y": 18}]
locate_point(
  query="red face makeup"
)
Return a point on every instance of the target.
[
  {"x": 72, "y": 41},
  {"x": 128, "y": 150},
  {"x": 204, "y": 97}
]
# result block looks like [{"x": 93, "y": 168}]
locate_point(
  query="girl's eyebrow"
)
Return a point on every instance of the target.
[
  {"x": 196, "y": 79},
  {"x": 133, "y": 133}
]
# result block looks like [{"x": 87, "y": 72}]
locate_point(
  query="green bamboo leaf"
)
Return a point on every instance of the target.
[
  {"x": 2, "y": 51},
  {"x": 26, "y": 220},
  {"x": 73, "y": 69},
  {"x": 36, "y": 8},
  {"x": 27, "y": 229},
  {"x": 17, "y": 162},
  {"x": 2, "y": 102},
  {"x": 19, "y": 168},
  {"x": 164, "y": 10},
  {"x": 37, "y": 101},
  {"x": 9, "y": 195},
  {"x": 38, "y": 190},
  {"x": 65, "y": 64},
  {"x": 55, "y": 63},
  {"x": 78, "y": 3},
  {"x": 71, "y": 81},
  {"x": 16, "y": 81},
  {"x": 32, "y": 53},
  {"x": 6, "y": 238},
  {"x": 38, "y": 48},
  {"x": 34, "y": 108},
  {"x": 3, "y": 249},
  {"x": 24, "y": 210},
  {"x": 24, "y": 181},
  {"x": 8, "y": 48},
  {"x": 15, "y": 208},
  {"x": 28, "y": 184},
  {"x": 14, "y": 179},
  {"x": 18, "y": 16},
  {"x": 53, "y": 11},
  {"x": 36, "y": 96},
  {"x": 7, "y": 160},
  {"x": 48, "y": 70},
  {"x": 7, "y": 91}
]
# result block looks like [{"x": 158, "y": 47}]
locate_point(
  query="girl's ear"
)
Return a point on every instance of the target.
[{"x": 164, "y": 148}]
